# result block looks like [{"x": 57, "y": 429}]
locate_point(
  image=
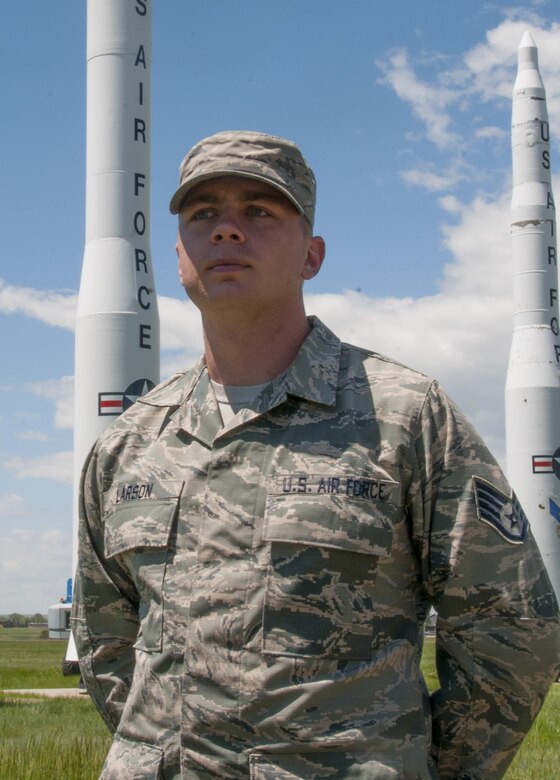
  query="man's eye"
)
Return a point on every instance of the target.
[
  {"x": 257, "y": 211},
  {"x": 205, "y": 213}
]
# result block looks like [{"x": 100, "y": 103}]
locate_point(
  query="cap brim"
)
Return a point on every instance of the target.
[{"x": 179, "y": 196}]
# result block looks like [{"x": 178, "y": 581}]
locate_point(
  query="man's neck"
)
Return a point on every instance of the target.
[{"x": 251, "y": 352}]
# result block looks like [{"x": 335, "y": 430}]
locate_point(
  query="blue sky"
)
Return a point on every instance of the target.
[{"x": 403, "y": 111}]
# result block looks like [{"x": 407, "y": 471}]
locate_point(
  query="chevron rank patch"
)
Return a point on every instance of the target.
[{"x": 504, "y": 513}]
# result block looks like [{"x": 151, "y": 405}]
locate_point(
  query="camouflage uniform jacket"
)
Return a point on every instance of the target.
[{"x": 251, "y": 598}]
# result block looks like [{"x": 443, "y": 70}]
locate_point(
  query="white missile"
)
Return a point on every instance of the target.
[
  {"x": 533, "y": 379},
  {"x": 117, "y": 330}
]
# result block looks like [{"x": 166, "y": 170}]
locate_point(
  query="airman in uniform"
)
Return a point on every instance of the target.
[{"x": 264, "y": 535}]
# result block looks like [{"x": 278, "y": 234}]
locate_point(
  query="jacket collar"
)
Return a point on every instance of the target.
[{"x": 312, "y": 376}]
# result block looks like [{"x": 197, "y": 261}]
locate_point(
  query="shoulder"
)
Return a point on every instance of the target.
[
  {"x": 382, "y": 365},
  {"x": 357, "y": 363},
  {"x": 142, "y": 422},
  {"x": 372, "y": 383},
  {"x": 389, "y": 381}
]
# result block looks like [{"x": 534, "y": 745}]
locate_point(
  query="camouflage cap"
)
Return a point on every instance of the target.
[{"x": 254, "y": 155}]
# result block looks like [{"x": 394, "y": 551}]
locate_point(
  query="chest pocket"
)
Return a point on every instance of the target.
[
  {"x": 139, "y": 522},
  {"x": 324, "y": 553}
]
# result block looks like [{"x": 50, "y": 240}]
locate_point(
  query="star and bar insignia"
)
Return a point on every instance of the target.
[
  {"x": 547, "y": 464},
  {"x": 114, "y": 404}
]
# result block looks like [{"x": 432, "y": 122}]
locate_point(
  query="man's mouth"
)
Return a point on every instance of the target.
[{"x": 228, "y": 264}]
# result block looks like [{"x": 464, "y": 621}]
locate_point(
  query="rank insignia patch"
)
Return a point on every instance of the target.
[{"x": 504, "y": 513}]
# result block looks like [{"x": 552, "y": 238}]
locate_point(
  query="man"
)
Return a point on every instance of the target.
[{"x": 263, "y": 536}]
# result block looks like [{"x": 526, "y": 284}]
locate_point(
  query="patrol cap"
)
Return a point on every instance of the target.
[{"x": 254, "y": 155}]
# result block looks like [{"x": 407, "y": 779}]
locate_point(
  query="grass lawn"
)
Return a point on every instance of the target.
[
  {"x": 45, "y": 738},
  {"x": 539, "y": 756},
  {"x": 51, "y": 738},
  {"x": 66, "y": 739},
  {"x": 26, "y": 661}
]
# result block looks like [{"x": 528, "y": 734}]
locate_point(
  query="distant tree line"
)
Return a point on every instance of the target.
[{"x": 15, "y": 620}]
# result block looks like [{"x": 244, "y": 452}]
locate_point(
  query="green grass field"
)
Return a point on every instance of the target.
[{"x": 65, "y": 739}]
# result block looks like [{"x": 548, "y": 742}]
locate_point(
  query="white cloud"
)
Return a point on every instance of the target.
[
  {"x": 11, "y": 505},
  {"x": 53, "y": 308},
  {"x": 181, "y": 335},
  {"x": 493, "y": 63},
  {"x": 56, "y": 466},
  {"x": 61, "y": 391},
  {"x": 429, "y": 102},
  {"x": 451, "y": 204},
  {"x": 449, "y": 99},
  {"x": 34, "y": 567},
  {"x": 32, "y": 436},
  {"x": 180, "y": 323},
  {"x": 492, "y": 132},
  {"x": 431, "y": 179},
  {"x": 480, "y": 246}
]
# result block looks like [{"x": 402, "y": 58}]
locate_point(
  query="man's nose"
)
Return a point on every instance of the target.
[{"x": 227, "y": 228}]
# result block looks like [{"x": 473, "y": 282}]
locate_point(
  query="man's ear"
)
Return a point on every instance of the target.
[
  {"x": 178, "y": 261},
  {"x": 315, "y": 257}
]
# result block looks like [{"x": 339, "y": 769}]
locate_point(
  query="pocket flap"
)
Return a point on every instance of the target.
[{"x": 140, "y": 514}]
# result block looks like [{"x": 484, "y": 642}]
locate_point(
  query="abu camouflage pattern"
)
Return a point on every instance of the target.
[{"x": 251, "y": 598}]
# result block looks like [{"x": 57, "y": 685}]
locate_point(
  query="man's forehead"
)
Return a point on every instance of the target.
[{"x": 240, "y": 187}]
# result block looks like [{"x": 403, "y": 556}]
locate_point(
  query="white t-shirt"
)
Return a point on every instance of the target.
[{"x": 232, "y": 398}]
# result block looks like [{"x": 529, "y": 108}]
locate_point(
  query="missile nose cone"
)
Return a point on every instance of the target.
[
  {"x": 527, "y": 65},
  {"x": 527, "y": 41}
]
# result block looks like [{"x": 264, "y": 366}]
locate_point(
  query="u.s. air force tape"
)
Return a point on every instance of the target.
[{"x": 357, "y": 487}]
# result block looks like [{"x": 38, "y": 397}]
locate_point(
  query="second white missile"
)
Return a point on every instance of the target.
[{"x": 533, "y": 379}]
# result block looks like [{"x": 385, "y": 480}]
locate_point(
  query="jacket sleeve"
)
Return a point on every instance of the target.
[
  {"x": 105, "y": 608},
  {"x": 497, "y": 635}
]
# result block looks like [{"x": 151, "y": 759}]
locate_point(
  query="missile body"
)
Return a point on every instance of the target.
[
  {"x": 533, "y": 381},
  {"x": 117, "y": 330}
]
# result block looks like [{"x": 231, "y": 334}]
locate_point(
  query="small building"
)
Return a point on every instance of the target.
[{"x": 59, "y": 621}]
